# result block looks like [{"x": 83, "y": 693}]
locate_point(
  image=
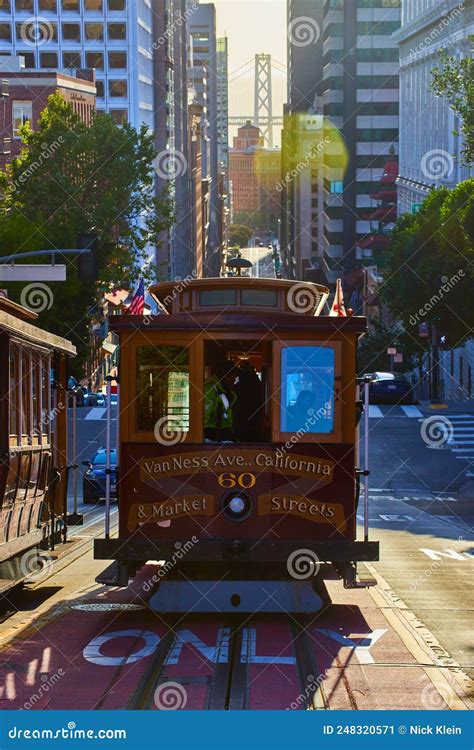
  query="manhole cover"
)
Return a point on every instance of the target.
[{"x": 99, "y": 607}]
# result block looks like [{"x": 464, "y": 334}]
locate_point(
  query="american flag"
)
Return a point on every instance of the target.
[{"x": 137, "y": 304}]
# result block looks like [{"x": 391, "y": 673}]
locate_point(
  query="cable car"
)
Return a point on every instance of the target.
[
  {"x": 237, "y": 461},
  {"x": 33, "y": 443}
]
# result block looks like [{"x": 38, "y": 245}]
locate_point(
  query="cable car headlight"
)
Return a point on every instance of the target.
[{"x": 237, "y": 506}]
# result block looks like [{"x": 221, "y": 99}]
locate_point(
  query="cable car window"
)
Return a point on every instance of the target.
[
  {"x": 259, "y": 297},
  {"x": 307, "y": 380},
  {"x": 217, "y": 297},
  {"x": 163, "y": 389}
]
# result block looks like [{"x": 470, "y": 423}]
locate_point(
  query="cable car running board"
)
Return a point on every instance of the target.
[{"x": 236, "y": 596}]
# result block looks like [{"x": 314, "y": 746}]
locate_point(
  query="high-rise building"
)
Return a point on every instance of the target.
[
  {"x": 222, "y": 103},
  {"x": 201, "y": 24},
  {"x": 361, "y": 100},
  {"x": 301, "y": 157},
  {"x": 113, "y": 36},
  {"x": 430, "y": 153}
]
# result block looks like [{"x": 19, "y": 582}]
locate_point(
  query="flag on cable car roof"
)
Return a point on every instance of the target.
[
  {"x": 338, "y": 308},
  {"x": 137, "y": 304}
]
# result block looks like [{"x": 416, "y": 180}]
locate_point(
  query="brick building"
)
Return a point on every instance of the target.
[
  {"x": 254, "y": 172},
  {"x": 27, "y": 96}
]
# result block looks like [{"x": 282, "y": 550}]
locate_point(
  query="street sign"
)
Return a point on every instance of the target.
[
  {"x": 422, "y": 329},
  {"x": 32, "y": 272},
  {"x": 391, "y": 350},
  {"x": 398, "y": 357}
]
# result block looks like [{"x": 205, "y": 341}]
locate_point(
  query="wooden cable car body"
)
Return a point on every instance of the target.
[
  {"x": 33, "y": 441},
  {"x": 298, "y": 486}
]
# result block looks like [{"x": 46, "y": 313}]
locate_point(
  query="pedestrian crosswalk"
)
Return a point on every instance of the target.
[
  {"x": 393, "y": 410},
  {"x": 461, "y": 439}
]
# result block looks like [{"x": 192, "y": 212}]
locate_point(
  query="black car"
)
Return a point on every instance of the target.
[
  {"x": 390, "y": 388},
  {"x": 93, "y": 483}
]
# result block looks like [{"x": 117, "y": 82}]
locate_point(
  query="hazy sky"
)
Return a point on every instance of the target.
[{"x": 253, "y": 26}]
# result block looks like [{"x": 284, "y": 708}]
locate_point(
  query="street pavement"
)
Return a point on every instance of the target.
[{"x": 71, "y": 643}]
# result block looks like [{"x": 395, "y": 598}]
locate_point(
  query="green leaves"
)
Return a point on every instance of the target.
[{"x": 454, "y": 81}]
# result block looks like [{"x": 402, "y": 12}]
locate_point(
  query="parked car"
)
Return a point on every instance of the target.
[
  {"x": 92, "y": 398},
  {"x": 390, "y": 388},
  {"x": 93, "y": 483}
]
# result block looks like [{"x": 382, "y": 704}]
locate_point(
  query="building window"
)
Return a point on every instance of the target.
[
  {"x": 72, "y": 32},
  {"x": 5, "y": 32},
  {"x": 72, "y": 59},
  {"x": 117, "y": 31},
  {"x": 120, "y": 116},
  {"x": 47, "y": 5},
  {"x": 117, "y": 88},
  {"x": 94, "y": 31},
  {"x": 100, "y": 88},
  {"x": 117, "y": 59},
  {"x": 22, "y": 112},
  {"x": 36, "y": 32},
  {"x": 49, "y": 59},
  {"x": 116, "y": 4},
  {"x": 93, "y": 5},
  {"x": 336, "y": 186},
  {"x": 70, "y": 5},
  {"x": 95, "y": 60},
  {"x": 29, "y": 59}
]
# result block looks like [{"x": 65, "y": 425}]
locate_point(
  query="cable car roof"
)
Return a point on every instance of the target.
[{"x": 243, "y": 293}]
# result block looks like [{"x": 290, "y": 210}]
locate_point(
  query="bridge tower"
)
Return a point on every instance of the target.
[{"x": 263, "y": 110}]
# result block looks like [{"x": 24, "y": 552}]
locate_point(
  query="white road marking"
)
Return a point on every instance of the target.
[
  {"x": 96, "y": 413},
  {"x": 411, "y": 411},
  {"x": 374, "y": 411}
]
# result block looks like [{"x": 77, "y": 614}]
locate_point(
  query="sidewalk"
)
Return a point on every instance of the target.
[{"x": 454, "y": 407}]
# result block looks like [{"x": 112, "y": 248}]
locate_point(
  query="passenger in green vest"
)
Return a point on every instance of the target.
[{"x": 219, "y": 400}]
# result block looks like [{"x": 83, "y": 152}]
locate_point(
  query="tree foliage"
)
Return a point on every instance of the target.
[
  {"x": 239, "y": 235},
  {"x": 454, "y": 81},
  {"x": 430, "y": 276},
  {"x": 74, "y": 178},
  {"x": 372, "y": 353}
]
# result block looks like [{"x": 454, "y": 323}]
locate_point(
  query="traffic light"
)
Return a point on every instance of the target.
[{"x": 88, "y": 263}]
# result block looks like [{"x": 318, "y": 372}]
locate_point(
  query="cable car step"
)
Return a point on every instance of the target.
[
  {"x": 115, "y": 574},
  {"x": 236, "y": 596}
]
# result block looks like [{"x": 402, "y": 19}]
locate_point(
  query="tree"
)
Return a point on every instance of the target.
[
  {"x": 239, "y": 235},
  {"x": 454, "y": 81},
  {"x": 430, "y": 262},
  {"x": 372, "y": 353},
  {"x": 74, "y": 178}
]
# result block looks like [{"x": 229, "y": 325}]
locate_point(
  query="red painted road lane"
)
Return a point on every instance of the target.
[
  {"x": 99, "y": 660},
  {"x": 272, "y": 676}
]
